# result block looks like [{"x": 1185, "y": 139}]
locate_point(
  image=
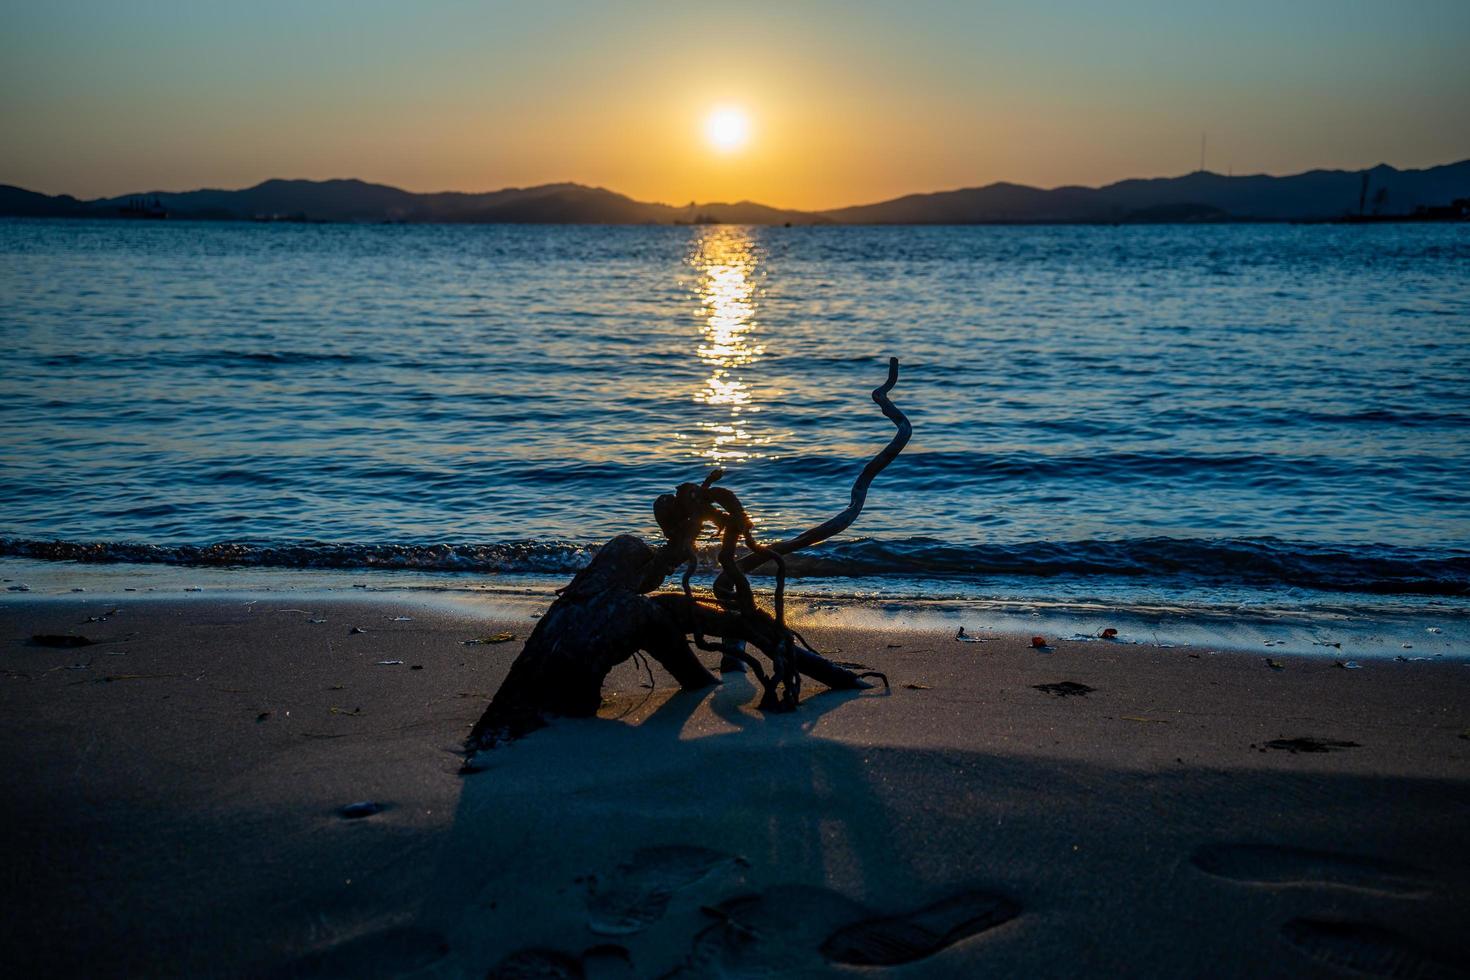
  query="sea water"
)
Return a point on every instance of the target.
[{"x": 1267, "y": 414}]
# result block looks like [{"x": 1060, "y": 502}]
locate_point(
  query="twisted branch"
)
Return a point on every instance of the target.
[
  {"x": 732, "y": 586},
  {"x": 606, "y": 615},
  {"x": 840, "y": 522}
]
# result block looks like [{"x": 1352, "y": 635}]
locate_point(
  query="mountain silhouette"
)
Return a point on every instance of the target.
[{"x": 1316, "y": 195}]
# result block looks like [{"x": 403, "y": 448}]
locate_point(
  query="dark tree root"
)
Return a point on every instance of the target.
[{"x": 605, "y": 615}]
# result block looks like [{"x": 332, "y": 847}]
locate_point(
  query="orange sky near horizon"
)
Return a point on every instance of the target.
[{"x": 847, "y": 103}]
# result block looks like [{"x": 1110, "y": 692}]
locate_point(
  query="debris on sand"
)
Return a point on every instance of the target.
[
  {"x": 918, "y": 687},
  {"x": 1109, "y": 634},
  {"x": 356, "y": 630},
  {"x": 61, "y": 640},
  {"x": 356, "y": 811},
  {"x": 1347, "y": 664},
  {"x": 1065, "y": 689},
  {"x": 1275, "y": 664},
  {"x": 505, "y": 637},
  {"x": 1305, "y": 744},
  {"x": 390, "y": 663},
  {"x": 964, "y": 637}
]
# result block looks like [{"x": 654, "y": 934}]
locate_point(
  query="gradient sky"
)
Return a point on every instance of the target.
[{"x": 849, "y": 102}]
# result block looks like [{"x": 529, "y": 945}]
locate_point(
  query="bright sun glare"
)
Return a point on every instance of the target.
[{"x": 727, "y": 129}]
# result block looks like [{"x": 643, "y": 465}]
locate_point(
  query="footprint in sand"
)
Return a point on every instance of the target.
[
  {"x": 805, "y": 930},
  {"x": 898, "y": 939},
  {"x": 637, "y": 894},
  {"x": 388, "y": 953},
  {"x": 1261, "y": 864},
  {"x": 1363, "y": 948},
  {"x": 597, "y": 963},
  {"x": 537, "y": 964}
]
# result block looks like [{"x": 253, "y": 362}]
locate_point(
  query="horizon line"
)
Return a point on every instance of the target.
[{"x": 746, "y": 201}]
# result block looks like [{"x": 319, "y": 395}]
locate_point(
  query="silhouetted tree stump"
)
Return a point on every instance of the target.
[{"x": 606, "y": 613}]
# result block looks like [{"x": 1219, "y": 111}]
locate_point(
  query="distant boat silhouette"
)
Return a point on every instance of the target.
[{"x": 143, "y": 207}]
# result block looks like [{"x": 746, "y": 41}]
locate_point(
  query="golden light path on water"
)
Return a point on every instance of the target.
[{"x": 726, "y": 261}]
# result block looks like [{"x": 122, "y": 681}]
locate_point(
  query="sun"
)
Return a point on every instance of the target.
[{"x": 727, "y": 129}]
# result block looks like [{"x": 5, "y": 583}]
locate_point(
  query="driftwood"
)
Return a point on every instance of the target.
[{"x": 606, "y": 614}]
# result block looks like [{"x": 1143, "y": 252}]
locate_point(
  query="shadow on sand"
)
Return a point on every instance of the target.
[{"x": 710, "y": 840}]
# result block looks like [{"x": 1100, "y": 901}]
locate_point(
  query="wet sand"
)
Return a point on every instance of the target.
[{"x": 174, "y": 802}]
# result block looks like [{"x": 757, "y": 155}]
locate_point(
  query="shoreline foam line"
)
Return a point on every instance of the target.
[
  {"x": 1374, "y": 569},
  {"x": 1413, "y": 629}
]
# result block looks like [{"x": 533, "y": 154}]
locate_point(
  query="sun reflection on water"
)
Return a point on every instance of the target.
[{"x": 726, "y": 261}]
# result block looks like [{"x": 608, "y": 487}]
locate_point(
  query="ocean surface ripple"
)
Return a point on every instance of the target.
[{"x": 1266, "y": 405}]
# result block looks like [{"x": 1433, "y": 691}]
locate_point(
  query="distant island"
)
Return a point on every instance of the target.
[{"x": 1379, "y": 193}]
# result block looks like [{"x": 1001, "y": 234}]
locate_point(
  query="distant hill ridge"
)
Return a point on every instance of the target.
[{"x": 1316, "y": 195}]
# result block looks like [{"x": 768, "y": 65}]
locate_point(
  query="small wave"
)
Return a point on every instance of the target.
[
  {"x": 187, "y": 358},
  {"x": 1257, "y": 562},
  {"x": 519, "y": 556},
  {"x": 982, "y": 468},
  {"x": 1377, "y": 569},
  {"x": 279, "y": 357}
]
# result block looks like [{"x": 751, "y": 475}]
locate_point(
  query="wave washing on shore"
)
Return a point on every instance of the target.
[
  {"x": 1277, "y": 409},
  {"x": 1160, "y": 562}
]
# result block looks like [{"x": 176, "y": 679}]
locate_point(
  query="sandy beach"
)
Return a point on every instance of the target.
[
  {"x": 1054, "y": 415},
  {"x": 176, "y": 794}
]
